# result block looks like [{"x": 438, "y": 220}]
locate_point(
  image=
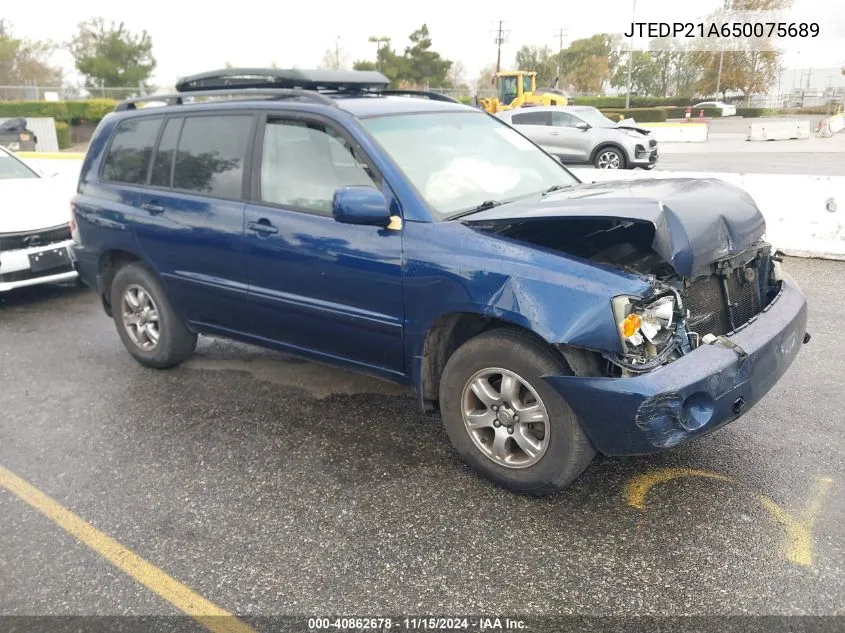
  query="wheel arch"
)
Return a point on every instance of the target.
[
  {"x": 110, "y": 262},
  {"x": 609, "y": 145},
  {"x": 447, "y": 333}
]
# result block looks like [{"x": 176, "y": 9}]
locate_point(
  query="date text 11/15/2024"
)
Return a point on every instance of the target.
[{"x": 416, "y": 624}]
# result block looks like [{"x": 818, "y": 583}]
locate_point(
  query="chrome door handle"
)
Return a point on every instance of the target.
[{"x": 262, "y": 226}]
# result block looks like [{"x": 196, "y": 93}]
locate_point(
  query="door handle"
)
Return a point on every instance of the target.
[
  {"x": 153, "y": 207},
  {"x": 555, "y": 133},
  {"x": 262, "y": 226}
]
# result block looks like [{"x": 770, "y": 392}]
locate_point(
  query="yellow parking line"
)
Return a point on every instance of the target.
[
  {"x": 52, "y": 155},
  {"x": 180, "y": 596}
]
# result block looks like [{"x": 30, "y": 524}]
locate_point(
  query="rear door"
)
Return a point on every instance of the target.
[
  {"x": 537, "y": 126},
  {"x": 319, "y": 285},
  {"x": 191, "y": 225}
]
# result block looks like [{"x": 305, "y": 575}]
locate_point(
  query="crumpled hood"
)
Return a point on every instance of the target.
[
  {"x": 31, "y": 204},
  {"x": 696, "y": 220}
]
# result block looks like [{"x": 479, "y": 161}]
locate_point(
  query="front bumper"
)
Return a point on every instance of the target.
[
  {"x": 644, "y": 157},
  {"x": 695, "y": 394},
  {"x": 16, "y": 267}
]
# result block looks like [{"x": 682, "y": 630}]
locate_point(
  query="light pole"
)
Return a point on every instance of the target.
[
  {"x": 630, "y": 59},
  {"x": 378, "y": 42},
  {"x": 721, "y": 56}
]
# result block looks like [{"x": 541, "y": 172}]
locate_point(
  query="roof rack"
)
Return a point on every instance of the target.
[
  {"x": 176, "y": 98},
  {"x": 319, "y": 79}
]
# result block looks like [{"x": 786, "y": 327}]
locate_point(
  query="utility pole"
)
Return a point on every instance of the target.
[
  {"x": 560, "y": 33},
  {"x": 630, "y": 60},
  {"x": 501, "y": 34}
]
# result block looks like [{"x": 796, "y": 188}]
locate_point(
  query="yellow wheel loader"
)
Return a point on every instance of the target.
[{"x": 518, "y": 89}]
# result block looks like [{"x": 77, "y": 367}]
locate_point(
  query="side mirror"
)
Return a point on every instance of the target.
[
  {"x": 582, "y": 125},
  {"x": 360, "y": 205}
]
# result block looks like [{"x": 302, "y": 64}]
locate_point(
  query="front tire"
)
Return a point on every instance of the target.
[
  {"x": 148, "y": 325},
  {"x": 505, "y": 421},
  {"x": 609, "y": 158}
]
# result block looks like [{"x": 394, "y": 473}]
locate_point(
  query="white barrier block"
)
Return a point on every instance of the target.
[
  {"x": 778, "y": 130},
  {"x": 805, "y": 215},
  {"x": 678, "y": 132},
  {"x": 837, "y": 123}
]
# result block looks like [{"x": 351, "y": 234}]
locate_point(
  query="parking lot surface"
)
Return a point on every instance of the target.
[{"x": 270, "y": 485}]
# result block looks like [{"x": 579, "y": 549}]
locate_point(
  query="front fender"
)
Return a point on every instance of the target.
[{"x": 450, "y": 268}]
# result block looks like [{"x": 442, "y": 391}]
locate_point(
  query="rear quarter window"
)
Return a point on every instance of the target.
[{"x": 128, "y": 156}]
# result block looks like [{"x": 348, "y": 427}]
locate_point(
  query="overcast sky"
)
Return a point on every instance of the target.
[{"x": 190, "y": 37}]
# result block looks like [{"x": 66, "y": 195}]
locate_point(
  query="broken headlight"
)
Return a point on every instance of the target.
[{"x": 647, "y": 329}]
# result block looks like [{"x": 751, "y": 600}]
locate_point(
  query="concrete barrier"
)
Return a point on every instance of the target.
[
  {"x": 805, "y": 215},
  {"x": 836, "y": 123},
  {"x": 678, "y": 132},
  {"x": 778, "y": 130}
]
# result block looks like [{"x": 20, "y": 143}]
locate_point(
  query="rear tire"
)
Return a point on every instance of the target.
[
  {"x": 148, "y": 325},
  {"x": 491, "y": 441}
]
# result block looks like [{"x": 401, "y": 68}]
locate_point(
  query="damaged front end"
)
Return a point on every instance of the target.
[
  {"x": 682, "y": 313},
  {"x": 717, "y": 328}
]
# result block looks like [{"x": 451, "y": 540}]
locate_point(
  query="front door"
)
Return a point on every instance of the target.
[
  {"x": 318, "y": 285},
  {"x": 575, "y": 142}
]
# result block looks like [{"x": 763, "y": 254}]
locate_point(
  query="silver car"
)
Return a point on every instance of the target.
[{"x": 582, "y": 134}]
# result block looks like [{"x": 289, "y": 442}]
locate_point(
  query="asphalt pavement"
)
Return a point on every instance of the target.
[{"x": 270, "y": 485}]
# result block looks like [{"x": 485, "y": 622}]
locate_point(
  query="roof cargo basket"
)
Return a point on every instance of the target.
[
  {"x": 317, "y": 86},
  {"x": 320, "y": 79}
]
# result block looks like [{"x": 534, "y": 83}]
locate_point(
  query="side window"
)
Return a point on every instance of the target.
[
  {"x": 165, "y": 152},
  {"x": 533, "y": 118},
  {"x": 564, "y": 119},
  {"x": 211, "y": 153},
  {"x": 302, "y": 164},
  {"x": 129, "y": 153}
]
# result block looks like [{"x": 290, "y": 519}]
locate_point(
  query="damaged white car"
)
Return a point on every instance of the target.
[{"x": 35, "y": 230}]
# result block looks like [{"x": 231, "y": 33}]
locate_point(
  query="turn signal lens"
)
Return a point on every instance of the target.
[{"x": 631, "y": 324}]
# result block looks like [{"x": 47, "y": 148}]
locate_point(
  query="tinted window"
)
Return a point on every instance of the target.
[
  {"x": 302, "y": 164},
  {"x": 211, "y": 154},
  {"x": 130, "y": 150},
  {"x": 163, "y": 160},
  {"x": 533, "y": 118}
]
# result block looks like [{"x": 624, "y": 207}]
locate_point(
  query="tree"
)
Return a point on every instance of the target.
[
  {"x": 111, "y": 56},
  {"x": 586, "y": 63},
  {"x": 418, "y": 66},
  {"x": 457, "y": 77},
  {"x": 486, "y": 82},
  {"x": 541, "y": 60},
  {"x": 748, "y": 64},
  {"x": 335, "y": 58},
  {"x": 24, "y": 61},
  {"x": 645, "y": 73},
  {"x": 425, "y": 66}
]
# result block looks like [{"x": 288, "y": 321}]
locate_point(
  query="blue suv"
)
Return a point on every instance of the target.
[{"x": 421, "y": 240}]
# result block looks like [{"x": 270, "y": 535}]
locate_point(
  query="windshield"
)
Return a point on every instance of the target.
[
  {"x": 459, "y": 160},
  {"x": 594, "y": 117},
  {"x": 11, "y": 167}
]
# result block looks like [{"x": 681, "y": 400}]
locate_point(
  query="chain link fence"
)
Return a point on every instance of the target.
[{"x": 66, "y": 93}]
